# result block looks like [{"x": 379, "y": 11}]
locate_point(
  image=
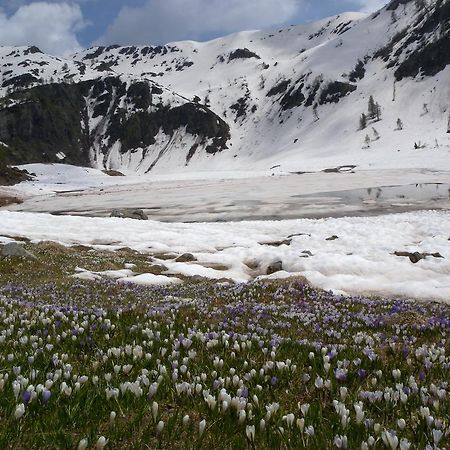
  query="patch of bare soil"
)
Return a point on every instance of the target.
[{"x": 6, "y": 200}]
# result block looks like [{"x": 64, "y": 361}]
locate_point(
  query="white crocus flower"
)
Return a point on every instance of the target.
[
  {"x": 405, "y": 444},
  {"x": 359, "y": 412},
  {"x": 201, "y": 427},
  {"x": 341, "y": 442},
  {"x": 155, "y": 410},
  {"x": 319, "y": 383},
  {"x": 390, "y": 439},
  {"x": 250, "y": 432},
  {"x": 83, "y": 444},
  {"x": 437, "y": 436},
  {"x": 19, "y": 411},
  {"x": 101, "y": 443}
]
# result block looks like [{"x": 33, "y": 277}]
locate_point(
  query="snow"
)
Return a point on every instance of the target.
[
  {"x": 51, "y": 178},
  {"x": 360, "y": 261},
  {"x": 148, "y": 279},
  {"x": 125, "y": 276},
  {"x": 86, "y": 276}
]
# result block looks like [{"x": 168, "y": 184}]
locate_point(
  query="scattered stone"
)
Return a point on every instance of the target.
[
  {"x": 252, "y": 264},
  {"x": 332, "y": 238},
  {"x": 277, "y": 243},
  {"x": 306, "y": 254},
  {"x": 15, "y": 250},
  {"x": 104, "y": 242},
  {"x": 137, "y": 214},
  {"x": 276, "y": 266},
  {"x": 186, "y": 257},
  {"x": 340, "y": 169},
  {"x": 164, "y": 256},
  {"x": 156, "y": 269},
  {"x": 417, "y": 256},
  {"x": 113, "y": 173}
]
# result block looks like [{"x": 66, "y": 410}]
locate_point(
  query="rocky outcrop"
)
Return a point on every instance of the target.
[{"x": 69, "y": 122}]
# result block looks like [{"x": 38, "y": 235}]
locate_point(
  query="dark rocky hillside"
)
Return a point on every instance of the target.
[{"x": 70, "y": 120}]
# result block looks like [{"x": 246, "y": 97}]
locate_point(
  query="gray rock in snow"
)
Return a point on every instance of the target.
[
  {"x": 276, "y": 266},
  {"x": 137, "y": 214},
  {"x": 186, "y": 257}
]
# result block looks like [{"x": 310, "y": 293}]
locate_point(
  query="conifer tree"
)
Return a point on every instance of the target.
[
  {"x": 372, "y": 108},
  {"x": 362, "y": 121}
]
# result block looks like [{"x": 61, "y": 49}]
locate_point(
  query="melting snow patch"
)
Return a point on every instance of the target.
[
  {"x": 148, "y": 279},
  {"x": 361, "y": 261}
]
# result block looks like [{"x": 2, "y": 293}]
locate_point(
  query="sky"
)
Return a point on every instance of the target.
[{"x": 62, "y": 27}]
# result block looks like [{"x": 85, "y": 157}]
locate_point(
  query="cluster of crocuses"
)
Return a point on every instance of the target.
[{"x": 264, "y": 365}]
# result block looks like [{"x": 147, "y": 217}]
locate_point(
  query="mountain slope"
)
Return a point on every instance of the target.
[{"x": 251, "y": 100}]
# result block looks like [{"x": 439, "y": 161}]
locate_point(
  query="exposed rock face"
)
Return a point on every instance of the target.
[
  {"x": 85, "y": 120},
  {"x": 243, "y": 53},
  {"x": 43, "y": 121}
]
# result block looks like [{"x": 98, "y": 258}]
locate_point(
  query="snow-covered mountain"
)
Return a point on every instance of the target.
[{"x": 293, "y": 97}]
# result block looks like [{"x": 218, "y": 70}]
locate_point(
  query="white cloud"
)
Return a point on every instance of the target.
[
  {"x": 372, "y": 5},
  {"x": 15, "y": 4},
  {"x": 160, "y": 21},
  {"x": 50, "y": 26}
]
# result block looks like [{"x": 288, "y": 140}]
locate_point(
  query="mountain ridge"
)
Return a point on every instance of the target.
[{"x": 293, "y": 97}]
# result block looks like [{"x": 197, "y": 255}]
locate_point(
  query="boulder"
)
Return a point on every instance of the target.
[
  {"x": 15, "y": 250},
  {"x": 137, "y": 214},
  {"x": 186, "y": 257},
  {"x": 276, "y": 266}
]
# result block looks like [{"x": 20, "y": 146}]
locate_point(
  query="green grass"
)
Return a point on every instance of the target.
[{"x": 262, "y": 334}]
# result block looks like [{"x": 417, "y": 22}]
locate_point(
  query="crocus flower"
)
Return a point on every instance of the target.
[
  {"x": 19, "y": 411},
  {"x": 201, "y": 427}
]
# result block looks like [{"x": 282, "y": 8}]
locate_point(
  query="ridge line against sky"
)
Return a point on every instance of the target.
[{"x": 62, "y": 27}]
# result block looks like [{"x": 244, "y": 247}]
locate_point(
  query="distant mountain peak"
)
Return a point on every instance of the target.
[{"x": 251, "y": 99}]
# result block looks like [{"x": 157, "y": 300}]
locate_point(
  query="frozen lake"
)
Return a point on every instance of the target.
[{"x": 287, "y": 196}]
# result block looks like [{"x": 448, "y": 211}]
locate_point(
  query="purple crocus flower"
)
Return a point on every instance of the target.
[
  {"x": 26, "y": 397},
  {"x": 362, "y": 373},
  {"x": 46, "y": 394},
  {"x": 273, "y": 381}
]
